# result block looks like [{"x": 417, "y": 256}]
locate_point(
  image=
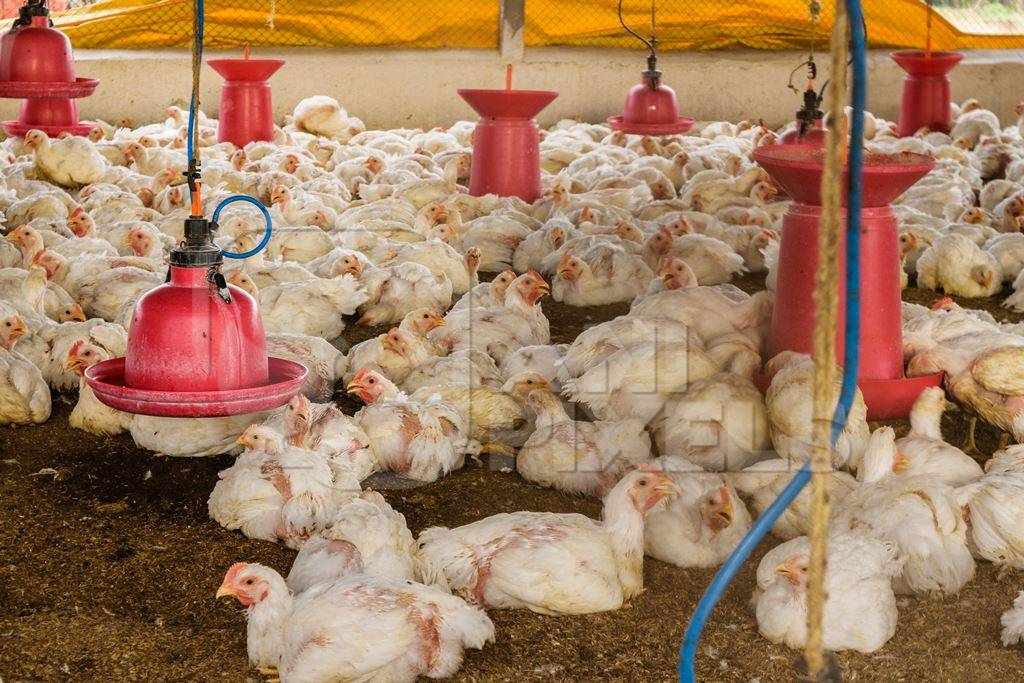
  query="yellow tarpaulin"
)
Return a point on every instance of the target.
[{"x": 681, "y": 24}]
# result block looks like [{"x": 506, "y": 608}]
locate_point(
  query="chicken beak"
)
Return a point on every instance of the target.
[
  {"x": 439, "y": 322},
  {"x": 226, "y": 591},
  {"x": 724, "y": 514},
  {"x": 356, "y": 268},
  {"x": 789, "y": 570},
  {"x": 665, "y": 486},
  {"x": 543, "y": 287},
  {"x": 355, "y": 386},
  {"x": 74, "y": 364}
]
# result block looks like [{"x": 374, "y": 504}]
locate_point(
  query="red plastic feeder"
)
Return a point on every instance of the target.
[
  {"x": 246, "y": 112},
  {"x": 798, "y": 169},
  {"x": 651, "y": 107},
  {"x": 926, "y": 97},
  {"x": 196, "y": 347},
  {"x": 506, "y": 142},
  {"x": 36, "y": 66}
]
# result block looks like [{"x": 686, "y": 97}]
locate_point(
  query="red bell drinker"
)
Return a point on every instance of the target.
[
  {"x": 246, "y": 112},
  {"x": 506, "y": 141},
  {"x": 36, "y": 66},
  {"x": 196, "y": 347},
  {"x": 926, "y": 95},
  {"x": 651, "y": 107},
  {"x": 798, "y": 170}
]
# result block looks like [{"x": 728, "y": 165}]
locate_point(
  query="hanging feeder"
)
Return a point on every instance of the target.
[
  {"x": 246, "y": 111},
  {"x": 889, "y": 394},
  {"x": 506, "y": 140},
  {"x": 196, "y": 346},
  {"x": 926, "y": 96},
  {"x": 651, "y": 107},
  {"x": 37, "y": 67}
]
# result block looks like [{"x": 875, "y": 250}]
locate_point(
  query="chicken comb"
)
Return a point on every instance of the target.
[
  {"x": 362, "y": 373},
  {"x": 76, "y": 347},
  {"x": 939, "y": 303},
  {"x": 234, "y": 570},
  {"x": 665, "y": 230},
  {"x": 77, "y": 212},
  {"x": 650, "y": 468}
]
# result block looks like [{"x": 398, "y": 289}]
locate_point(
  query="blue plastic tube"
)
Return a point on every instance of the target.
[
  {"x": 727, "y": 571},
  {"x": 266, "y": 217}
]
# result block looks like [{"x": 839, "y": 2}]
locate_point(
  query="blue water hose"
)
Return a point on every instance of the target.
[
  {"x": 266, "y": 217},
  {"x": 764, "y": 523}
]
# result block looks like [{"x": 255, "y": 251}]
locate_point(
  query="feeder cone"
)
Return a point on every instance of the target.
[
  {"x": 650, "y": 111},
  {"x": 246, "y": 109},
  {"x": 506, "y": 141},
  {"x": 798, "y": 170},
  {"x": 36, "y": 66},
  {"x": 926, "y": 97},
  {"x": 196, "y": 346}
]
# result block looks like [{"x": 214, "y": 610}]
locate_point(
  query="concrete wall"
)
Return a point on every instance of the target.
[{"x": 416, "y": 88}]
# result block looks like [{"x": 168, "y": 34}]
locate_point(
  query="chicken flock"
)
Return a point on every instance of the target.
[{"x": 654, "y": 411}]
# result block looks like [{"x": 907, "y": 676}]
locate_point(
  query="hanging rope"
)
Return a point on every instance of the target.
[
  {"x": 192, "y": 174},
  {"x": 825, "y": 318}
]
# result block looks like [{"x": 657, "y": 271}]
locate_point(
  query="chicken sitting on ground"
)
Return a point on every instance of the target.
[
  {"x": 923, "y": 451},
  {"x": 1013, "y": 622},
  {"x": 399, "y": 351},
  {"x": 190, "y": 437},
  {"x": 416, "y": 440},
  {"x": 860, "y": 607},
  {"x": 324, "y": 363},
  {"x": 993, "y": 508},
  {"x": 958, "y": 266},
  {"x": 790, "y": 405},
  {"x": 358, "y": 629},
  {"x": 699, "y": 526},
  {"x": 394, "y": 291},
  {"x": 24, "y": 396},
  {"x": 546, "y": 562},
  {"x": 366, "y": 535},
  {"x": 89, "y": 414},
  {"x": 585, "y": 458},
  {"x": 604, "y": 274},
  {"x": 922, "y": 517},
  {"x": 324, "y": 429},
  {"x": 71, "y": 162},
  {"x": 312, "y": 307},
  {"x": 278, "y": 492}
]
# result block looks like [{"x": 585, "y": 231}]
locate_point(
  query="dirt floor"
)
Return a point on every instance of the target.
[{"x": 109, "y": 564}]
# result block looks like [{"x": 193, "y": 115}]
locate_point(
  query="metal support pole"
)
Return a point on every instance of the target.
[{"x": 511, "y": 19}]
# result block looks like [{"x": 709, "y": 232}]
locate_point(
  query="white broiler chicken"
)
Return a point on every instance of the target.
[
  {"x": 103, "y": 294},
  {"x": 24, "y": 396},
  {"x": 190, "y": 437},
  {"x": 993, "y": 505},
  {"x": 89, "y": 414},
  {"x": 700, "y": 525},
  {"x": 860, "y": 607},
  {"x": 417, "y": 440},
  {"x": 442, "y": 259},
  {"x": 790, "y": 405},
  {"x": 545, "y": 562},
  {"x": 579, "y": 457},
  {"x": 357, "y": 629},
  {"x": 958, "y": 266},
  {"x": 400, "y": 350},
  {"x": 922, "y": 517},
  {"x": 366, "y": 535},
  {"x": 274, "y": 491},
  {"x": 324, "y": 364},
  {"x": 1012, "y": 622},
  {"x": 312, "y": 307},
  {"x": 719, "y": 423},
  {"x": 394, "y": 291},
  {"x": 604, "y": 274},
  {"x": 322, "y": 115},
  {"x": 325, "y": 430},
  {"x": 71, "y": 162}
]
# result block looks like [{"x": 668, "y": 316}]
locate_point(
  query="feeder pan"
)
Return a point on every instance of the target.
[
  {"x": 246, "y": 111},
  {"x": 36, "y": 66},
  {"x": 815, "y": 137},
  {"x": 506, "y": 141},
  {"x": 651, "y": 111},
  {"x": 926, "y": 97},
  {"x": 196, "y": 346},
  {"x": 798, "y": 170}
]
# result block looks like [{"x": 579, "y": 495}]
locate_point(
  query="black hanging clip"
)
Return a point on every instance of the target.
[
  {"x": 217, "y": 278},
  {"x": 192, "y": 174}
]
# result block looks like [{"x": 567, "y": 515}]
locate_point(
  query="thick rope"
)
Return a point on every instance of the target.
[
  {"x": 196, "y": 67},
  {"x": 826, "y": 316}
]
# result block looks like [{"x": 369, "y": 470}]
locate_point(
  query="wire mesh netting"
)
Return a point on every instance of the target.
[
  {"x": 773, "y": 24},
  {"x": 678, "y": 24},
  {"x": 235, "y": 23}
]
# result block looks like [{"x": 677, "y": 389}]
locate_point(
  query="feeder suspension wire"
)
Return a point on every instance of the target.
[
  {"x": 763, "y": 523},
  {"x": 649, "y": 44}
]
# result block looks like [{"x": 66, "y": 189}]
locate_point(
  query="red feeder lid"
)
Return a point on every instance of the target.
[
  {"x": 918, "y": 63},
  {"x": 798, "y": 169},
  {"x": 507, "y": 104},
  {"x": 248, "y": 70}
]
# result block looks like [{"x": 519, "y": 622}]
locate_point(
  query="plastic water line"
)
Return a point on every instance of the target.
[{"x": 858, "y": 46}]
